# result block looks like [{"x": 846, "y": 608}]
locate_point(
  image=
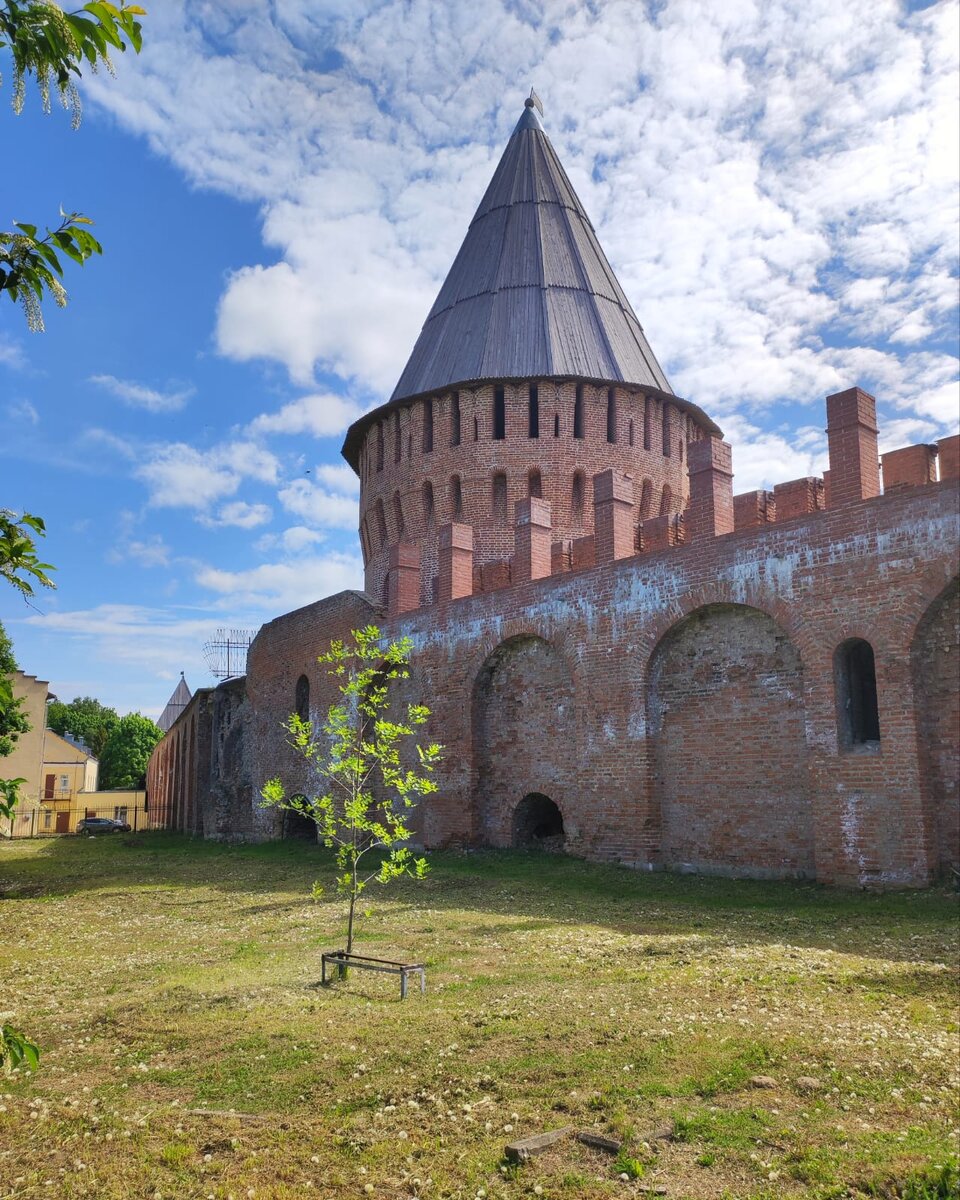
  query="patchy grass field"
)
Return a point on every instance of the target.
[{"x": 188, "y": 1051}]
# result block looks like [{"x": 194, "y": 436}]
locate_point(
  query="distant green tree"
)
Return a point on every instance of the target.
[
  {"x": 365, "y": 793},
  {"x": 84, "y": 718},
  {"x": 126, "y": 753}
]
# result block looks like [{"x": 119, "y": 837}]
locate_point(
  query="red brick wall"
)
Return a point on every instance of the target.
[
  {"x": 524, "y": 718},
  {"x": 936, "y": 663},
  {"x": 743, "y": 681},
  {"x": 726, "y": 715},
  {"x": 475, "y": 462}
]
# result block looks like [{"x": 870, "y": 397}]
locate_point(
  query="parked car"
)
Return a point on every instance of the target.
[{"x": 92, "y": 825}]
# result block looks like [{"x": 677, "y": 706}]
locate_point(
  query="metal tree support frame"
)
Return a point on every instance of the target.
[{"x": 341, "y": 960}]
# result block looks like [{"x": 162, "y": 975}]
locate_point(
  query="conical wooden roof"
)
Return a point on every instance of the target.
[
  {"x": 175, "y": 705},
  {"x": 531, "y": 293}
]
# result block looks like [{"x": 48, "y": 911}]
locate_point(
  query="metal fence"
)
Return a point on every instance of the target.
[{"x": 58, "y": 819}]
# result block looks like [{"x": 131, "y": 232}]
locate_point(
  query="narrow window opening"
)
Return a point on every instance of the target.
[
  {"x": 381, "y": 523},
  {"x": 611, "y": 415},
  {"x": 534, "y": 412},
  {"x": 397, "y": 438},
  {"x": 630, "y": 432},
  {"x": 856, "y": 685},
  {"x": 379, "y": 445},
  {"x": 667, "y": 441},
  {"x": 535, "y": 484},
  {"x": 646, "y": 499},
  {"x": 302, "y": 698},
  {"x": 428, "y": 504},
  {"x": 578, "y": 412},
  {"x": 680, "y": 449},
  {"x": 398, "y": 516},
  {"x": 556, "y": 424},
  {"x": 456, "y": 498},
  {"x": 499, "y": 499},
  {"x": 455, "y": 419},
  {"x": 476, "y": 429},
  {"x": 576, "y": 499},
  {"x": 647, "y": 421},
  {"x": 409, "y": 446},
  {"x": 499, "y": 415},
  {"x": 666, "y": 499},
  {"x": 427, "y": 426}
]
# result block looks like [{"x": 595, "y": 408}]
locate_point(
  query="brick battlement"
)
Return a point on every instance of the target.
[{"x": 710, "y": 510}]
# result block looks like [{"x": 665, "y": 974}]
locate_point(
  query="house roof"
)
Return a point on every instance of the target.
[
  {"x": 175, "y": 705},
  {"x": 530, "y": 294}
]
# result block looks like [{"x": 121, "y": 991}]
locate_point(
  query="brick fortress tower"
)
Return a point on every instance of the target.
[{"x": 530, "y": 376}]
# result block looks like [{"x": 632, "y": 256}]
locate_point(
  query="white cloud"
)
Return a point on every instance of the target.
[
  {"x": 294, "y": 540},
  {"x": 338, "y": 477},
  {"x": 11, "y": 353},
  {"x": 149, "y": 552},
  {"x": 322, "y": 415},
  {"x": 180, "y": 476},
  {"x": 319, "y": 507},
  {"x": 775, "y": 184},
  {"x": 136, "y": 395},
  {"x": 23, "y": 410},
  {"x": 239, "y": 514},
  {"x": 285, "y": 585}
]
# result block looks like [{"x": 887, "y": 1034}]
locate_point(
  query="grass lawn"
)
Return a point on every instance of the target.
[{"x": 188, "y": 1051}]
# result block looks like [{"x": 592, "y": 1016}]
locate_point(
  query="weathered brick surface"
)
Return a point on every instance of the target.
[
  {"x": 797, "y": 498},
  {"x": 913, "y": 466},
  {"x": 936, "y": 664},
  {"x": 754, "y": 508},
  {"x": 546, "y": 465},
  {"x": 733, "y": 793},
  {"x": 679, "y": 705}
]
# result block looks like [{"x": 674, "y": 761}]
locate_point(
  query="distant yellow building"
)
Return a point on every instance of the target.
[{"x": 61, "y": 776}]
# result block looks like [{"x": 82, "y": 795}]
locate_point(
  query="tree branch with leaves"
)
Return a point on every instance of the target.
[
  {"x": 52, "y": 45},
  {"x": 366, "y": 790}
]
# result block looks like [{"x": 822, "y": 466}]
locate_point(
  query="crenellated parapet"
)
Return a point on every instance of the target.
[{"x": 541, "y": 540}]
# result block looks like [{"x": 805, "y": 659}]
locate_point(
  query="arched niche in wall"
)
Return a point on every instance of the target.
[
  {"x": 725, "y": 718},
  {"x": 524, "y": 733}
]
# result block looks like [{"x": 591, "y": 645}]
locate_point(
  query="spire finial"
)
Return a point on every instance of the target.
[{"x": 533, "y": 101}]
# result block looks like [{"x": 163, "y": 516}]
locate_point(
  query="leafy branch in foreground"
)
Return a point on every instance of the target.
[
  {"x": 30, "y": 265},
  {"x": 20, "y": 565},
  {"x": 16, "y": 1049},
  {"x": 53, "y": 45},
  {"x": 365, "y": 791}
]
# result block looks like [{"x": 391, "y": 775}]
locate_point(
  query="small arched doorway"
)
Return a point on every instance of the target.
[
  {"x": 297, "y": 827},
  {"x": 538, "y": 824}
]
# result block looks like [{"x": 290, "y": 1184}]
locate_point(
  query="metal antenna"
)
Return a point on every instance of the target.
[{"x": 226, "y": 652}]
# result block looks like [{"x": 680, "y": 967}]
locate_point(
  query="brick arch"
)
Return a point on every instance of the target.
[
  {"x": 728, "y": 754},
  {"x": 523, "y": 718},
  {"x": 934, "y": 655}
]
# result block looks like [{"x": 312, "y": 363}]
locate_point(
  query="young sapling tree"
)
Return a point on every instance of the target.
[{"x": 366, "y": 786}]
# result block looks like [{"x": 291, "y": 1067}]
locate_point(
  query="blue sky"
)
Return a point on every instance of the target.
[{"x": 280, "y": 190}]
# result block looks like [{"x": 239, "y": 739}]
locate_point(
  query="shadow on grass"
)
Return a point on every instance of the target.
[{"x": 543, "y": 891}]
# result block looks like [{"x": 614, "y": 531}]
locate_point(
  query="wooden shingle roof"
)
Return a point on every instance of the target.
[{"x": 530, "y": 294}]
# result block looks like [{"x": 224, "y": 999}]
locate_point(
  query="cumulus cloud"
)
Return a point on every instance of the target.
[
  {"x": 180, "y": 476},
  {"x": 316, "y": 506},
  {"x": 136, "y": 395},
  {"x": 240, "y": 514},
  {"x": 321, "y": 415},
  {"x": 281, "y": 586},
  {"x": 774, "y": 184},
  {"x": 294, "y": 540}
]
